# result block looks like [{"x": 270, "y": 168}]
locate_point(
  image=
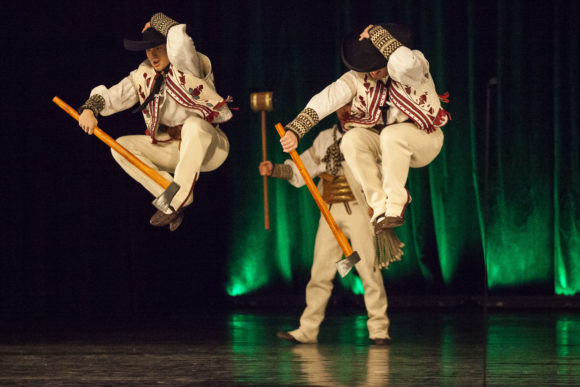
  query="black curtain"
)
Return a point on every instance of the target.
[{"x": 496, "y": 212}]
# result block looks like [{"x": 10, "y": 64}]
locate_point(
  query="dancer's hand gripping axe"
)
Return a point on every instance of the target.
[
  {"x": 171, "y": 188},
  {"x": 343, "y": 266}
]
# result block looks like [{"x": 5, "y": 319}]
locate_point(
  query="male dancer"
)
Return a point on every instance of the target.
[
  {"x": 395, "y": 121},
  {"x": 175, "y": 90},
  {"x": 349, "y": 209}
]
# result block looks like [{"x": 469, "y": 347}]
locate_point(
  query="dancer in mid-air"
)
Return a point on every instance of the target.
[
  {"x": 175, "y": 90},
  {"x": 396, "y": 118}
]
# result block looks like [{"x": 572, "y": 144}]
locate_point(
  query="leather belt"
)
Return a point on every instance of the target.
[
  {"x": 173, "y": 131},
  {"x": 379, "y": 127}
]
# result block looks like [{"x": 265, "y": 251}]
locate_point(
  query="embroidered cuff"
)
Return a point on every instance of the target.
[
  {"x": 281, "y": 171},
  {"x": 96, "y": 103},
  {"x": 303, "y": 122},
  {"x": 384, "y": 41},
  {"x": 162, "y": 23}
]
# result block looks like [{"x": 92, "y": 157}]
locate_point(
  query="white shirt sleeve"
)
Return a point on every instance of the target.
[
  {"x": 408, "y": 67},
  {"x": 120, "y": 97},
  {"x": 334, "y": 96},
  {"x": 181, "y": 51},
  {"x": 312, "y": 159}
]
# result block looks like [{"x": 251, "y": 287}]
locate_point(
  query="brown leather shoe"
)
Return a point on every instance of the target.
[
  {"x": 160, "y": 219},
  {"x": 383, "y": 222},
  {"x": 382, "y": 341},
  {"x": 287, "y": 336},
  {"x": 175, "y": 223}
]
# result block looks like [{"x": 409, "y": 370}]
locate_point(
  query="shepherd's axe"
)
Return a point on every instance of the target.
[
  {"x": 163, "y": 200},
  {"x": 343, "y": 266}
]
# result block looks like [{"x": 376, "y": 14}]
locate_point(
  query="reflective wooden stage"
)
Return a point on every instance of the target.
[{"x": 430, "y": 347}]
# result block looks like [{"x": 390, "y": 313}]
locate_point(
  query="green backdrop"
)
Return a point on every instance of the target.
[{"x": 498, "y": 210}]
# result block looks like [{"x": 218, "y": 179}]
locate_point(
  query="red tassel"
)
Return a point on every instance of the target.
[{"x": 444, "y": 97}]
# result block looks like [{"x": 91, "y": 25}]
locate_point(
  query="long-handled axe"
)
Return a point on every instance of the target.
[
  {"x": 343, "y": 266},
  {"x": 163, "y": 200}
]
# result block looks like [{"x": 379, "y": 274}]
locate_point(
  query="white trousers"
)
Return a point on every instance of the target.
[
  {"x": 203, "y": 148},
  {"x": 326, "y": 253},
  {"x": 380, "y": 163}
]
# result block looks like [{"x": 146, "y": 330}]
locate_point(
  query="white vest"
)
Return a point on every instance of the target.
[
  {"x": 196, "y": 94},
  {"x": 422, "y": 105}
]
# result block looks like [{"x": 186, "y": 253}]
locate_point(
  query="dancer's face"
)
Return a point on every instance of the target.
[
  {"x": 380, "y": 73},
  {"x": 158, "y": 57}
]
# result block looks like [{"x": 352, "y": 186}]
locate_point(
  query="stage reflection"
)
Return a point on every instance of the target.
[{"x": 441, "y": 347}]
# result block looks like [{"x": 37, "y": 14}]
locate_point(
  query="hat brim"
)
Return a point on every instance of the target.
[
  {"x": 362, "y": 55},
  {"x": 140, "y": 45}
]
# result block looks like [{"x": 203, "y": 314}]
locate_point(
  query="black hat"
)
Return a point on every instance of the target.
[
  {"x": 362, "y": 55},
  {"x": 150, "y": 38}
]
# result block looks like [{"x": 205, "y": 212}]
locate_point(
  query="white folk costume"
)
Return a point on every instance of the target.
[
  {"x": 182, "y": 137},
  {"x": 394, "y": 125},
  {"x": 340, "y": 191}
]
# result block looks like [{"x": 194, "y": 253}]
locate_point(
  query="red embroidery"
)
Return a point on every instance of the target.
[
  {"x": 154, "y": 109},
  {"x": 442, "y": 117},
  {"x": 366, "y": 84},
  {"x": 362, "y": 101},
  {"x": 191, "y": 100},
  {"x": 147, "y": 80},
  {"x": 197, "y": 91},
  {"x": 372, "y": 114},
  {"x": 212, "y": 116},
  {"x": 182, "y": 98},
  {"x": 407, "y": 106}
]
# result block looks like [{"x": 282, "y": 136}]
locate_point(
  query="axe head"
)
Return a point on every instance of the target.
[
  {"x": 344, "y": 266},
  {"x": 163, "y": 201}
]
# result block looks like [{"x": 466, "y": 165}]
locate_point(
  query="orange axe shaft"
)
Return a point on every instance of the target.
[
  {"x": 104, "y": 137},
  {"x": 352, "y": 257}
]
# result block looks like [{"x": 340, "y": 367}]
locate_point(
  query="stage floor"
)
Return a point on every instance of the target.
[{"x": 429, "y": 347}]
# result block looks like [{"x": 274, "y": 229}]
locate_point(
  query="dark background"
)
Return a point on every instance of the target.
[{"x": 76, "y": 242}]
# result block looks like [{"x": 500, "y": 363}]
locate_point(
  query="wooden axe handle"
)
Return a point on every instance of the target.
[
  {"x": 342, "y": 241},
  {"x": 265, "y": 178},
  {"x": 104, "y": 137}
]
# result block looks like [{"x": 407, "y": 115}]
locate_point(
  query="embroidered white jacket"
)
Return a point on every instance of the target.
[
  {"x": 409, "y": 74},
  {"x": 179, "y": 97}
]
